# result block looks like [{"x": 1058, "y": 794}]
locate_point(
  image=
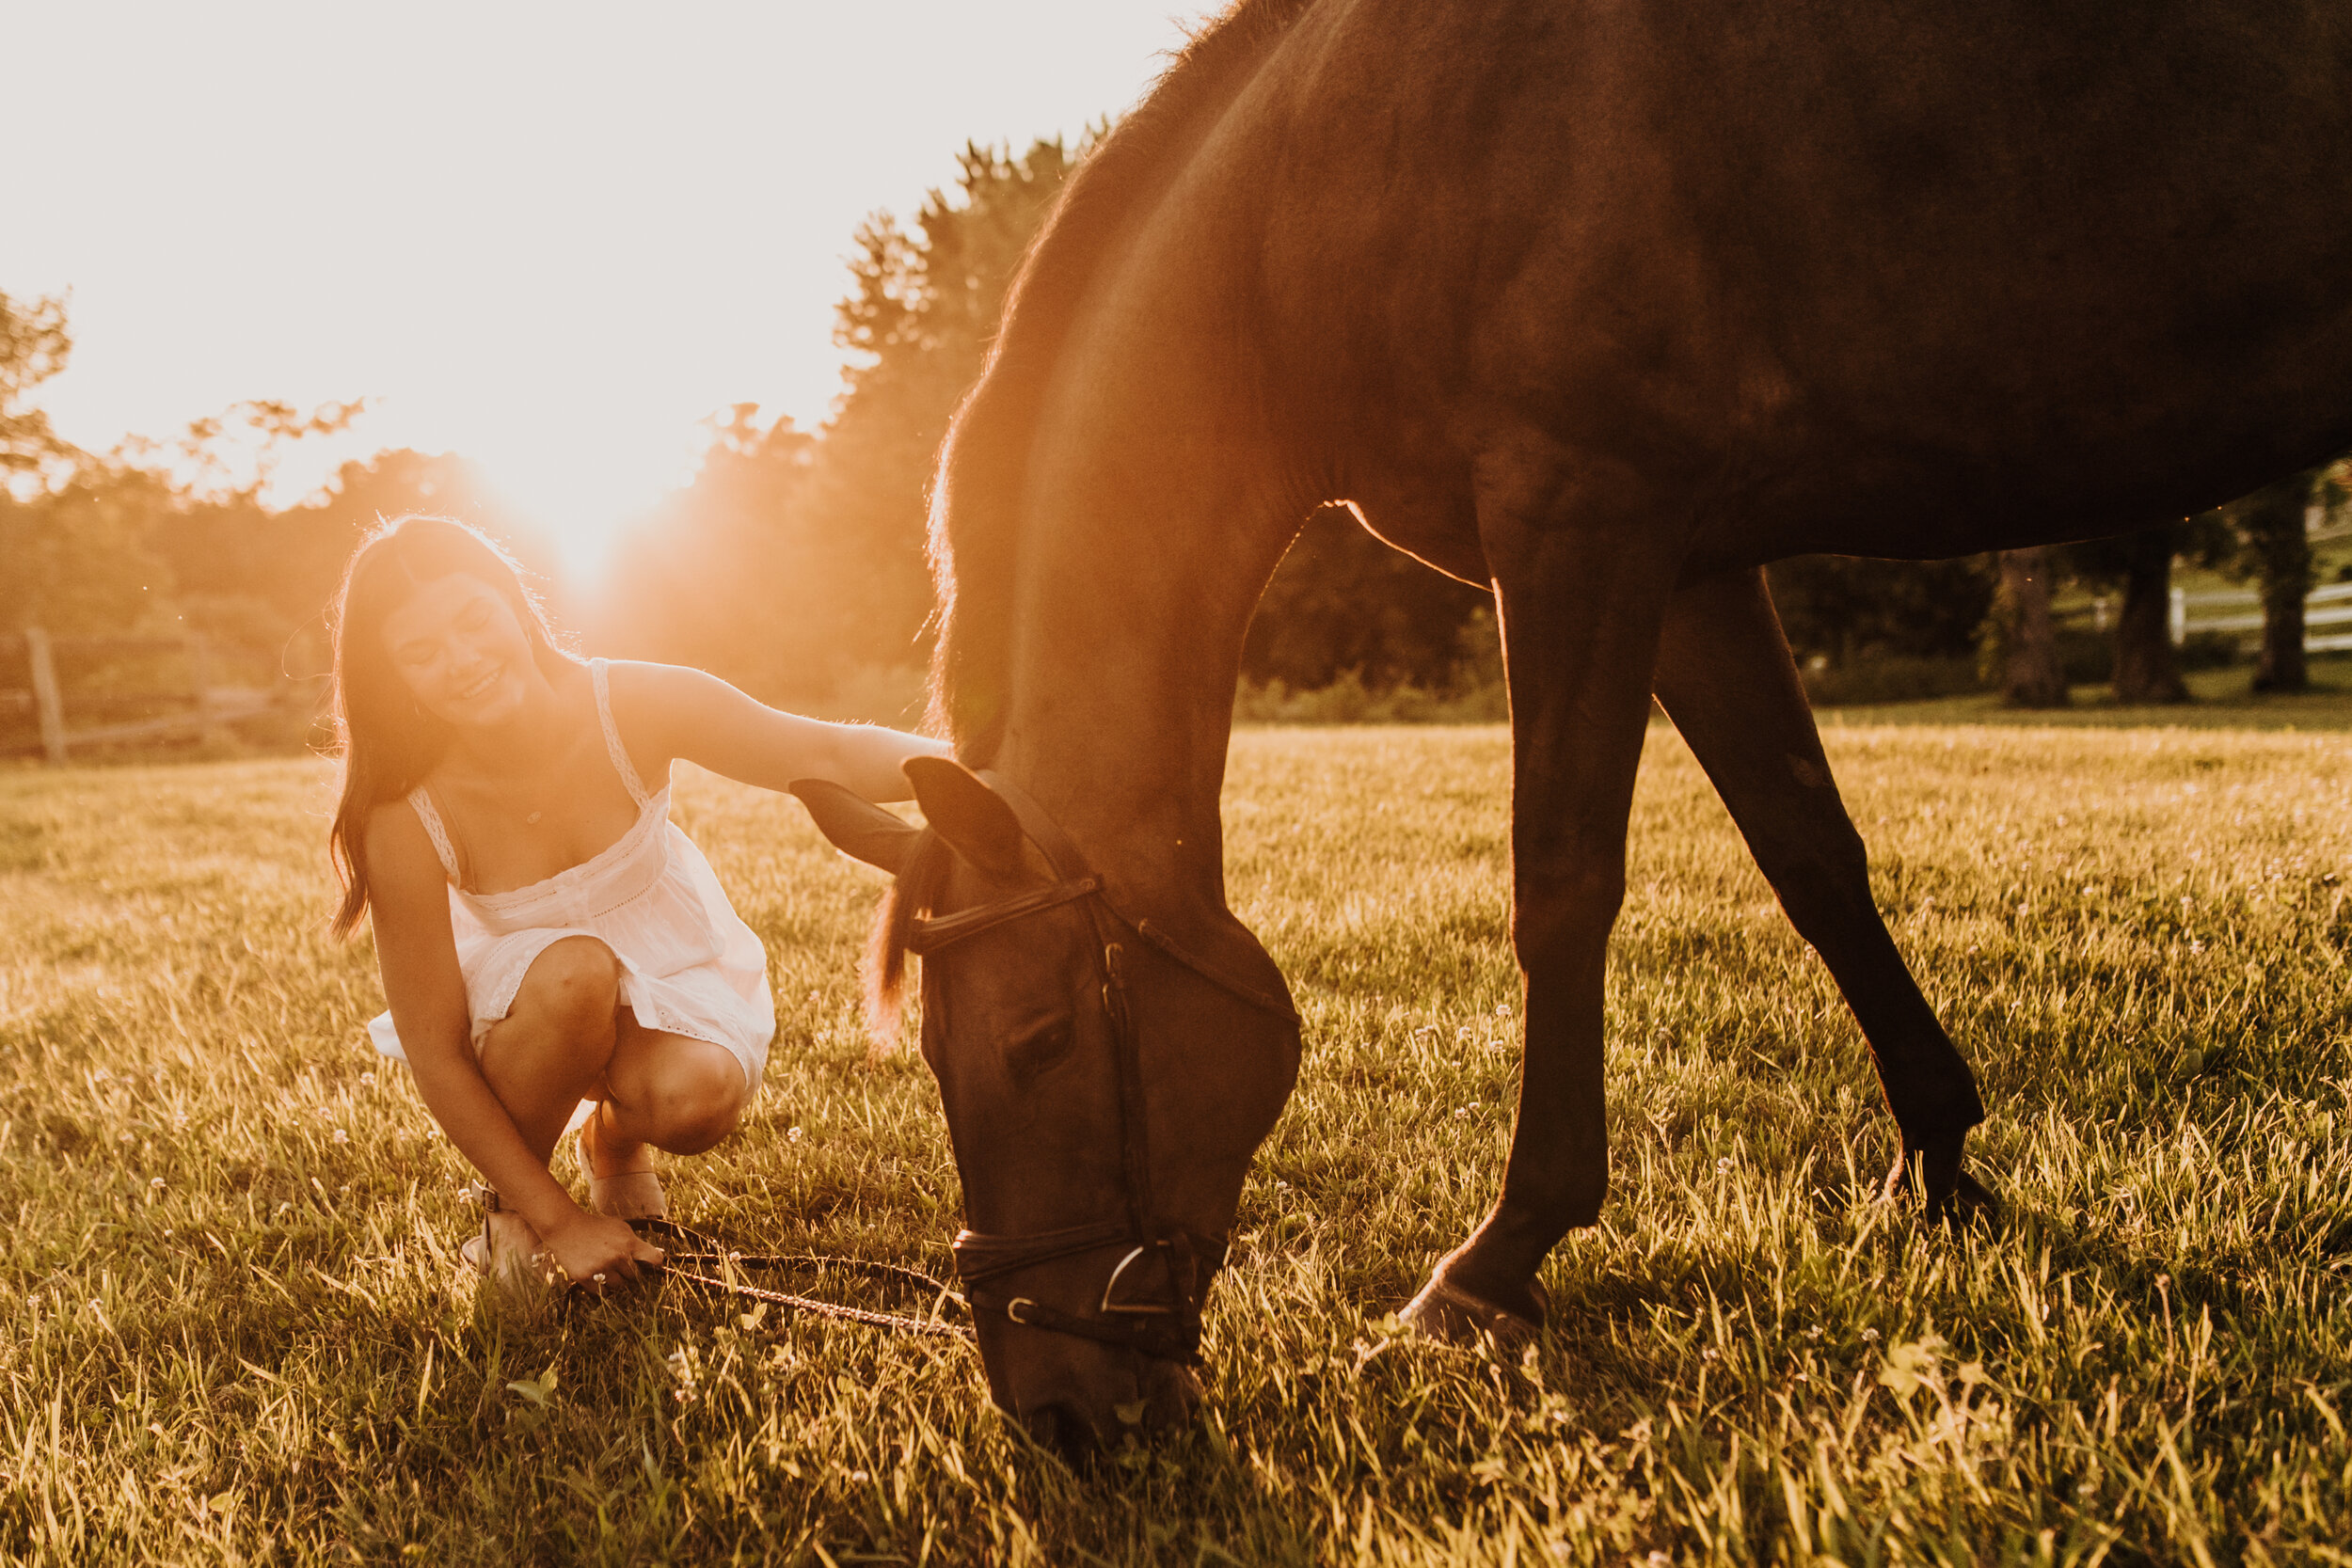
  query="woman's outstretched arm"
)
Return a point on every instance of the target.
[{"x": 670, "y": 711}]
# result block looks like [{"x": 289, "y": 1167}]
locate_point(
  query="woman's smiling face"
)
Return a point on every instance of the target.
[{"x": 458, "y": 645}]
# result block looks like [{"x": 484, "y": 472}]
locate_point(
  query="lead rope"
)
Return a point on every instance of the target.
[{"x": 708, "y": 1253}]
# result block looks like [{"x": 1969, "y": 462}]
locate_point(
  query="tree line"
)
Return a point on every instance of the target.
[
  {"x": 793, "y": 562},
  {"x": 1987, "y": 620}
]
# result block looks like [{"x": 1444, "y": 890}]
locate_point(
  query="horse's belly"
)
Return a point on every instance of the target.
[{"x": 1429, "y": 518}]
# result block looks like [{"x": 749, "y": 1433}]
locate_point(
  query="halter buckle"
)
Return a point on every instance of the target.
[{"x": 1134, "y": 1309}]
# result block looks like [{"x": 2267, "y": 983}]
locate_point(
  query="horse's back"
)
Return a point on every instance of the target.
[{"x": 2037, "y": 265}]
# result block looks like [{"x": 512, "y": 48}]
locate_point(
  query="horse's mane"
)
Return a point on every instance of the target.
[
  {"x": 923, "y": 867},
  {"x": 977, "y": 499}
]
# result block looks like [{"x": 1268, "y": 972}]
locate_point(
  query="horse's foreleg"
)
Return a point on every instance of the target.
[
  {"x": 1581, "y": 588},
  {"x": 1725, "y": 677}
]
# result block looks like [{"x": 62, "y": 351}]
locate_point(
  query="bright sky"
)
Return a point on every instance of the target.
[{"x": 551, "y": 237}]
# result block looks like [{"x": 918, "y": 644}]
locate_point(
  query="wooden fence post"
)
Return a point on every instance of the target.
[
  {"x": 209, "y": 727},
  {"x": 45, "y": 700}
]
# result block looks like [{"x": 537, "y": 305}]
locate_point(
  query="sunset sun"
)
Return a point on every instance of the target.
[{"x": 580, "y": 490}]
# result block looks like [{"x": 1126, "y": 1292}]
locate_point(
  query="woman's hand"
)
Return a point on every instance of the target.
[{"x": 598, "y": 1253}]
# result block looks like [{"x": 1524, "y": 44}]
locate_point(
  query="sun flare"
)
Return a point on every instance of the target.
[{"x": 581, "y": 490}]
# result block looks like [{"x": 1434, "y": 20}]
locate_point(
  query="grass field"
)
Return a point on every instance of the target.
[{"x": 233, "y": 1334}]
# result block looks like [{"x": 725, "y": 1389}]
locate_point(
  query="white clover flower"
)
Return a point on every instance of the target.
[{"x": 341, "y": 1136}]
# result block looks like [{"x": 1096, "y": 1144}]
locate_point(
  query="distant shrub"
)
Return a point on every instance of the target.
[
  {"x": 1891, "y": 678},
  {"x": 1850, "y": 609},
  {"x": 2087, "y": 656},
  {"x": 1472, "y": 693},
  {"x": 1349, "y": 700},
  {"x": 2208, "y": 650}
]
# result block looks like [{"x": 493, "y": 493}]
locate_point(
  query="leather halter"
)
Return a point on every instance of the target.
[{"x": 1131, "y": 1315}]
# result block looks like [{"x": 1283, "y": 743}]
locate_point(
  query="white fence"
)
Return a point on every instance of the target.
[{"x": 2241, "y": 609}]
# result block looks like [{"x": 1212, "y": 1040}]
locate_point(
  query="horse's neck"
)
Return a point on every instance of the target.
[{"x": 1130, "y": 621}]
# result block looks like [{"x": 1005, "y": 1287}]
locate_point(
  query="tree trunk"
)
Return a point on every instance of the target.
[
  {"x": 2145, "y": 669},
  {"x": 2031, "y": 675},
  {"x": 2271, "y": 520}
]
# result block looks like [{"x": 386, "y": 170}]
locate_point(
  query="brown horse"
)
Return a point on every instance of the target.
[{"x": 1604, "y": 303}]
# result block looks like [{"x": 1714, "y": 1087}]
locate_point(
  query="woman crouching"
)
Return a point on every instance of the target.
[{"x": 556, "y": 952}]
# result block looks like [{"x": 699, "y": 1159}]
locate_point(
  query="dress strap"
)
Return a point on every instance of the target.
[
  {"x": 621, "y": 764},
  {"x": 421, "y": 802}
]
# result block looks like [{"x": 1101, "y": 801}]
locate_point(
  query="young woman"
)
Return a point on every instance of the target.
[{"x": 557, "y": 954}]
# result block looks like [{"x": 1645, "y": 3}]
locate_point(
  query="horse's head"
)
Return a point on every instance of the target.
[{"x": 1107, "y": 1071}]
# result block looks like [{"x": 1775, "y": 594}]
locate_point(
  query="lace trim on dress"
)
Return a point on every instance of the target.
[
  {"x": 422, "y": 803},
  {"x": 621, "y": 764}
]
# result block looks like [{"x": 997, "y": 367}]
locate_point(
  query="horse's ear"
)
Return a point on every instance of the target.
[
  {"x": 857, "y": 827},
  {"x": 972, "y": 817}
]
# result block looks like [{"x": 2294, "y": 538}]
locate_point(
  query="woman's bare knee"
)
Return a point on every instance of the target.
[
  {"x": 702, "y": 1100},
  {"x": 574, "y": 986},
  {"x": 683, "y": 1101}
]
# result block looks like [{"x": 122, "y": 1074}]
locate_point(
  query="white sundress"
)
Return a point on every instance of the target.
[{"x": 689, "y": 964}]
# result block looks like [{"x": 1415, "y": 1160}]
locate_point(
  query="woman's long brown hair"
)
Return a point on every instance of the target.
[{"x": 384, "y": 738}]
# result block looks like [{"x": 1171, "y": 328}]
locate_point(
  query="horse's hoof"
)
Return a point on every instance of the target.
[
  {"x": 1951, "y": 1194},
  {"x": 1447, "y": 1313},
  {"x": 1968, "y": 1201}
]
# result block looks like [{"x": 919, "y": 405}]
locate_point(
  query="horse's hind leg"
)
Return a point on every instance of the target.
[{"x": 1725, "y": 677}]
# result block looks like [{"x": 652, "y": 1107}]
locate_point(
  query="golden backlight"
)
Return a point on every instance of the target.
[
  {"x": 580, "y": 490},
  {"x": 549, "y": 240}
]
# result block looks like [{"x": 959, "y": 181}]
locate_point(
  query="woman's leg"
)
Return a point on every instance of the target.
[
  {"x": 659, "y": 1091},
  {"x": 556, "y": 1043},
  {"x": 541, "y": 1060}
]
